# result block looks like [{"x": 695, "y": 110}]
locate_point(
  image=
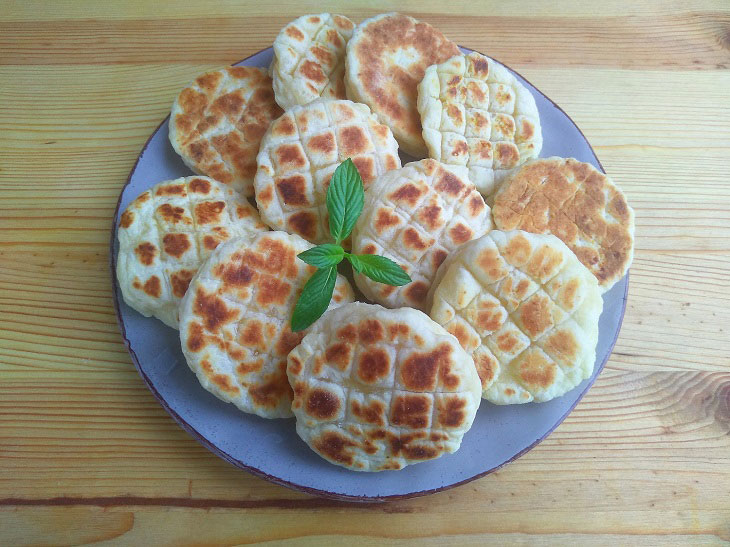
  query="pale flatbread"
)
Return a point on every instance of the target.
[
  {"x": 526, "y": 310},
  {"x": 378, "y": 389},
  {"x": 476, "y": 113},
  {"x": 309, "y": 59},
  {"x": 386, "y": 59},
  {"x": 416, "y": 216},
  {"x": 577, "y": 203},
  {"x": 302, "y": 149},
  {"x": 234, "y": 320},
  {"x": 167, "y": 232},
  {"x": 217, "y": 123}
]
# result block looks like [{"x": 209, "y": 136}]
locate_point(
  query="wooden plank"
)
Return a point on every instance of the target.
[
  {"x": 36, "y": 10},
  {"x": 131, "y": 526},
  {"x": 695, "y": 40}
]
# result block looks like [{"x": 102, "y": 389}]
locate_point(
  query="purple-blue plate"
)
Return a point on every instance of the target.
[{"x": 271, "y": 449}]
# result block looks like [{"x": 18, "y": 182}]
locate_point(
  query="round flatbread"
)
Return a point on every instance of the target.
[
  {"x": 234, "y": 320},
  {"x": 302, "y": 149},
  {"x": 378, "y": 389},
  {"x": 309, "y": 59},
  {"x": 416, "y": 216},
  {"x": 577, "y": 203},
  {"x": 474, "y": 112},
  {"x": 167, "y": 232},
  {"x": 217, "y": 123},
  {"x": 386, "y": 59},
  {"x": 526, "y": 310}
]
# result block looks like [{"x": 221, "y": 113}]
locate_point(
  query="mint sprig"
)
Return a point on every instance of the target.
[
  {"x": 345, "y": 199},
  {"x": 315, "y": 298},
  {"x": 323, "y": 256},
  {"x": 380, "y": 269}
]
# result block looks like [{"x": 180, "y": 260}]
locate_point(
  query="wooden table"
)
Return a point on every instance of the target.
[{"x": 87, "y": 454}]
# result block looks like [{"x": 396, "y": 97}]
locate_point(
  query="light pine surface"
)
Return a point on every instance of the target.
[{"x": 87, "y": 454}]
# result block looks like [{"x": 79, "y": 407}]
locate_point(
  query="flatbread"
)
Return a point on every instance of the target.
[
  {"x": 378, "y": 389},
  {"x": 416, "y": 216},
  {"x": 386, "y": 59},
  {"x": 526, "y": 310},
  {"x": 476, "y": 113},
  {"x": 577, "y": 203},
  {"x": 167, "y": 232},
  {"x": 309, "y": 59},
  {"x": 234, "y": 320},
  {"x": 217, "y": 123},
  {"x": 301, "y": 151}
]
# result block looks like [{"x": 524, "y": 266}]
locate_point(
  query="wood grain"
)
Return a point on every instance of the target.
[
  {"x": 88, "y": 455},
  {"x": 696, "y": 40}
]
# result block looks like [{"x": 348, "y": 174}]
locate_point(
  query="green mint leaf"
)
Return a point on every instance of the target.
[
  {"x": 314, "y": 299},
  {"x": 323, "y": 256},
  {"x": 380, "y": 269},
  {"x": 345, "y": 198}
]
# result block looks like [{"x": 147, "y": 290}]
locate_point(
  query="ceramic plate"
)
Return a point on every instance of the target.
[{"x": 271, "y": 448}]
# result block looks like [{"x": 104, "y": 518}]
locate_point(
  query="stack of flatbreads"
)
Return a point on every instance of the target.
[{"x": 508, "y": 253}]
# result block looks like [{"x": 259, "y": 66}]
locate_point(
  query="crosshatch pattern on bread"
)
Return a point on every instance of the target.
[
  {"x": 526, "y": 310},
  {"x": 234, "y": 320},
  {"x": 577, "y": 203},
  {"x": 475, "y": 113},
  {"x": 217, "y": 123},
  {"x": 309, "y": 59},
  {"x": 386, "y": 59},
  {"x": 301, "y": 151},
  {"x": 167, "y": 232},
  {"x": 378, "y": 389},
  {"x": 416, "y": 216}
]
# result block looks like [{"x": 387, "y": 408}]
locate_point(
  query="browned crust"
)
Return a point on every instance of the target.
[
  {"x": 571, "y": 200},
  {"x": 391, "y": 90},
  {"x": 228, "y": 157}
]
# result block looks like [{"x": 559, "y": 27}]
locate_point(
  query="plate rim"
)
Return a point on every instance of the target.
[{"x": 200, "y": 438}]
